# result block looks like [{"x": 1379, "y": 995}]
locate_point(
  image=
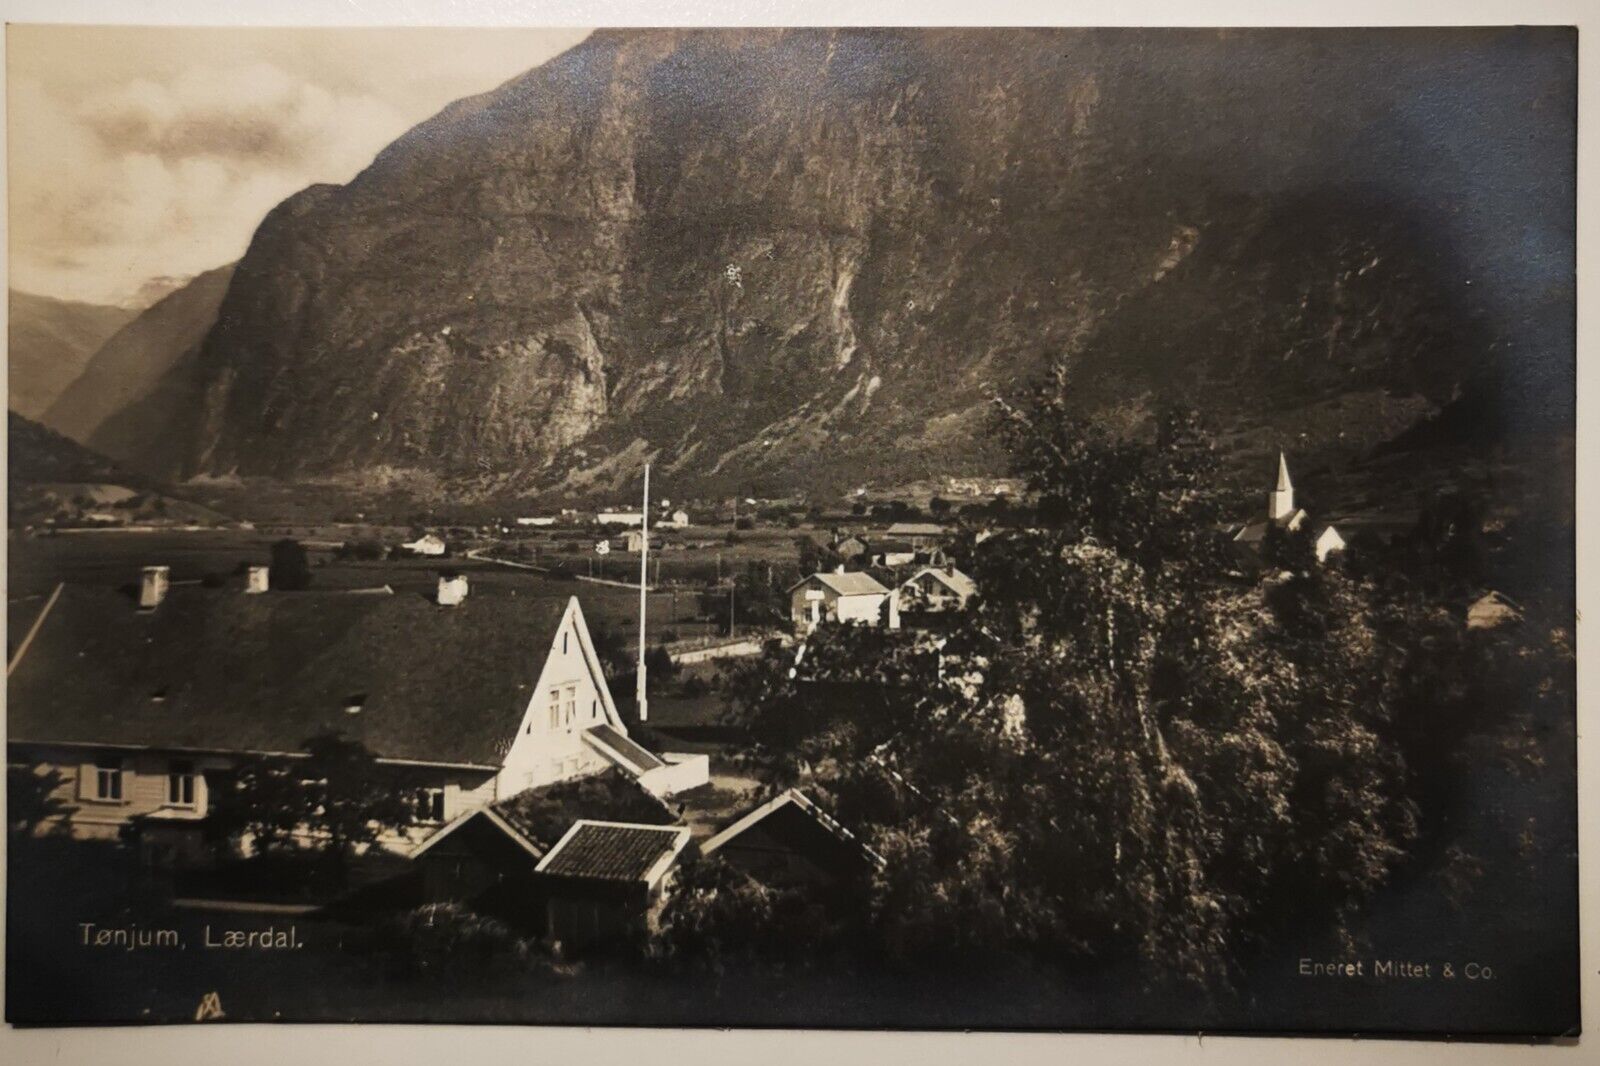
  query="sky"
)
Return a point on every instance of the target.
[{"x": 137, "y": 155}]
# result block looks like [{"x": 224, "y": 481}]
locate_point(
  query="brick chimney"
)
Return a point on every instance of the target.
[
  {"x": 153, "y": 581},
  {"x": 452, "y": 589},
  {"x": 257, "y": 579}
]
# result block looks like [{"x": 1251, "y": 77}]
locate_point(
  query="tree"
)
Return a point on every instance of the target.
[
  {"x": 939, "y": 507},
  {"x": 331, "y": 801},
  {"x": 659, "y": 664},
  {"x": 1123, "y": 753},
  {"x": 291, "y": 569},
  {"x": 611, "y": 648},
  {"x": 31, "y": 797}
]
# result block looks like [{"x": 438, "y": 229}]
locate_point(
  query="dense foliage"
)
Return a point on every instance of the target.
[
  {"x": 332, "y": 801},
  {"x": 1138, "y": 747}
]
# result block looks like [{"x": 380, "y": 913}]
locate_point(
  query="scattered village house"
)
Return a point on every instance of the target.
[
  {"x": 427, "y": 544},
  {"x": 893, "y": 553},
  {"x": 633, "y": 541},
  {"x": 143, "y": 703},
  {"x": 620, "y": 518},
  {"x": 842, "y": 597},
  {"x": 850, "y": 546},
  {"x": 935, "y": 590},
  {"x": 918, "y": 534},
  {"x": 678, "y": 519},
  {"x": 1282, "y": 513}
]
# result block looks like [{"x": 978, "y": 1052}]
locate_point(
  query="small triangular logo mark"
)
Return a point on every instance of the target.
[{"x": 210, "y": 1008}]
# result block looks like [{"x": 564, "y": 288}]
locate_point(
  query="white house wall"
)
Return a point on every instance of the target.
[{"x": 540, "y": 753}]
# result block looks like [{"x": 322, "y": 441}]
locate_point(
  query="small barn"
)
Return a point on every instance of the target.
[
  {"x": 790, "y": 841},
  {"x": 605, "y": 882},
  {"x": 918, "y": 534}
]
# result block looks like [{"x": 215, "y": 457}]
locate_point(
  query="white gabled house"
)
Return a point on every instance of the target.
[
  {"x": 936, "y": 589},
  {"x": 842, "y": 596},
  {"x": 462, "y": 705}
]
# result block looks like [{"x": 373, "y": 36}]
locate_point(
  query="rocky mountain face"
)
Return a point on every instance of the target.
[
  {"x": 135, "y": 399},
  {"x": 50, "y": 342},
  {"x": 804, "y": 259}
]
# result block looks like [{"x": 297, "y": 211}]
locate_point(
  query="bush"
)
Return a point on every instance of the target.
[
  {"x": 366, "y": 550},
  {"x": 744, "y": 522},
  {"x": 446, "y": 940},
  {"x": 291, "y": 569},
  {"x": 658, "y": 662}
]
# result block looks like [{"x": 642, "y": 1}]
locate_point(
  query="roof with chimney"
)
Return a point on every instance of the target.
[
  {"x": 219, "y": 670},
  {"x": 951, "y": 578}
]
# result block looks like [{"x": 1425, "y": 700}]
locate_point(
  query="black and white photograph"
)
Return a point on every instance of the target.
[{"x": 887, "y": 528}]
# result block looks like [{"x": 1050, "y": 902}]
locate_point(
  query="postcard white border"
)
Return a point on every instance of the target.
[{"x": 359, "y": 1044}]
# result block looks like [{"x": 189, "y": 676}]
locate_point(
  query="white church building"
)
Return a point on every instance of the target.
[{"x": 1282, "y": 513}]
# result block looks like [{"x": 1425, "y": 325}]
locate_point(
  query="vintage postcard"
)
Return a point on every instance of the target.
[{"x": 890, "y": 528}]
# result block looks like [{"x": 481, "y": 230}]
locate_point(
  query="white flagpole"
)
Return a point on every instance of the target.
[{"x": 644, "y": 574}]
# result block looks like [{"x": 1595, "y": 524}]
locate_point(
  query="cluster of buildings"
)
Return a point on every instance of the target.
[
  {"x": 138, "y": 701},
  {"x": 145, "y": 700}
]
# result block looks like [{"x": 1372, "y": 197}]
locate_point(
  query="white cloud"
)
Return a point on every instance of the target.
[{"x": 152, "y": 177}]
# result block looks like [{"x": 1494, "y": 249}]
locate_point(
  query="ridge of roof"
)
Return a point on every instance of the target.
[{"x": 221, "y": 671}]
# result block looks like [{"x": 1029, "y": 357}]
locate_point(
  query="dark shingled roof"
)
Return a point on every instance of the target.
[
  {"x": 264, "y": 673},
  {"x": 611, "y": 851}
]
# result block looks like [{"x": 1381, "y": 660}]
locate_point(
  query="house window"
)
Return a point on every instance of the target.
[
  {"x": 563, "y": 643},
  {"x": 555, "y": 707},
  {"x": 180, "y": 784},
  {"x": 572, "y": 703},
  {"x": 108, "y": 779},
  {"x": 594, "y": 709},
  {"x": 430, "y": 804}
]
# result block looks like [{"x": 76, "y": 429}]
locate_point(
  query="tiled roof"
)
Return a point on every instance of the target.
[
  {"x": 613, "y": 851},
  {"x": 218, "y": 670}
]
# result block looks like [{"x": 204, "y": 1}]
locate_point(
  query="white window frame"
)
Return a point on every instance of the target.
[
  {"x": 555, "y": 708},
  {"x": 110, "y": 784},
  {"x": 430, "y": 805},
  {"x": 181, "y": 779}
]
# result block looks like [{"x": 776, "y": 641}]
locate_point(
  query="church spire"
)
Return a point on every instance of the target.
[{"x": 1280, "y": 501}]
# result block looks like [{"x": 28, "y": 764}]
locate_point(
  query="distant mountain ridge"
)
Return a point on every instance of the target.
[
  {"x": 134, "y": 398},
  {"x": 804, "y": 259},
  {"x": 50, "y": 341}
]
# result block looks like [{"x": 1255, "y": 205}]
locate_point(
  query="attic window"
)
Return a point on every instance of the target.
[{"x": 354, "y": 702}]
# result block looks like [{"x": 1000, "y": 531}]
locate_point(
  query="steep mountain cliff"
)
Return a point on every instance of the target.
[
  {"x": 50, "y": 342},
  {"x": 805, "y": 258}
]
